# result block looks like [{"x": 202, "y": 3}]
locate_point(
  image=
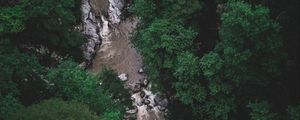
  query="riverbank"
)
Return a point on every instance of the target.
[{"x": 117, "y": 52}]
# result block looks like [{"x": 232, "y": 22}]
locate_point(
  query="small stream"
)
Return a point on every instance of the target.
[{"x": 109, "y": 44}]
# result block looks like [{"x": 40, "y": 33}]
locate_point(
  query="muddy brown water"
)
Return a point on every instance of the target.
[
  {"x": 117, "y": 52},
  {"x": 100, "y": 6}
]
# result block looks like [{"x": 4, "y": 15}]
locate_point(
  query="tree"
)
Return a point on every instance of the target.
[
  {"x": 55, "y": 109},
  {"x": 188, "y": 86},
  {"x": 113, "y": 86},
  {"x": 71, "y": 82},
  {"x": 247, "y": 62},
  {"x": 48, "y": 23},
  {"x": 9, "y": 104},
  {"x": 21, "y": 74},
  {"x": 294, "y": 112},
  {"x": 261, "y": 111},
  {"x": 11, "y": 19},
  {"x": 180, "y": 9},
  {"x": 162, "y": 41},
  {"x": 145, "y": 9},
  {"x": 218, "y": 107},
  {"x": 255, "y": 49}
]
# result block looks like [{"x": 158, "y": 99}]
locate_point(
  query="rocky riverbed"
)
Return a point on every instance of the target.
[{"x": 109, "y": 45}]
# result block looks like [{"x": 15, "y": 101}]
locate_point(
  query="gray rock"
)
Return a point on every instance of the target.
[
  {"x": 139, "y": 103},
  {"x": 132, "y": 98},
  {"x": 133, "y": 111},
  {"x": 161, "y": 108},
  {"x": 115, "y": 10},
  {"x": 149, "y": 107},
  {"x": 142, "y": 94},
  {"x": 89, "y": 27},
  {"x": 145, "y": 82},
  {"x": 161, "y": 101},
  {"x": 123, "y": 77},
  {"x": 136, "y": 88},
  {"x": 82, "y": 65},
  {"x": 147, "y": 102},
  {"x": 141, "y": 70}
]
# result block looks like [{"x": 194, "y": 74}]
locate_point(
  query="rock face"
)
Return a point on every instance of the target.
[
  {"x": 96, "y": 26},
  {"x": 115, "y": 11},
  {"x": 91, "y": 27}
]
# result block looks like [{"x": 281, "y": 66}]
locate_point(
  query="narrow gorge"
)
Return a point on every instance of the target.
[{"x": 109, "y": 44}]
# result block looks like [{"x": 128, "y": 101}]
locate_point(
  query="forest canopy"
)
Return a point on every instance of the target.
[
  {"x": 222, "y": 60},
  {"x": 212, "y": 59}
]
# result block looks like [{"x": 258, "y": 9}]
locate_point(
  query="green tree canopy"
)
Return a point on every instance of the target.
[
  {"x": 9, "y": 104},
  {"x": 188, "y": 86},
  {"x": 55, "y": 109},
  {"x": 71, "y": 82},
  {"x": 261, "y": 111},
  {"x": 251, "y": 45},
  {"x": 294, "y": 112}
]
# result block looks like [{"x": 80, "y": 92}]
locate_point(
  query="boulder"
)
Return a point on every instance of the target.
[
  {"x": 133, "y": 111},
  {"x": 139, "y": 103},
  {"x": 123, "y": 77},
  {"x": 147, "y": 102},
  {"x": 149, "y": 107},
  {"x": 136, "y": 88},
  {"x": 161, "y": 101},
  {"x": 161, "y": 108},
  {"x": 142, "y": 94},
  {"x": 132, "y": 98},
  {"x": 141, "y": 70},
  {"x": 145, "y": 82}
]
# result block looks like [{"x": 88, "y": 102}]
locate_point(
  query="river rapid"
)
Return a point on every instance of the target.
[{"x": 109, "y": 45}]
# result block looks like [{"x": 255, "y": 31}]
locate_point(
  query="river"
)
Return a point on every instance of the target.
[{"x": 110, "y": 45}]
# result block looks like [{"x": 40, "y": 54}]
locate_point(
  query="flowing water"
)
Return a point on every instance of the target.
[{"x": 101, "y": 21}]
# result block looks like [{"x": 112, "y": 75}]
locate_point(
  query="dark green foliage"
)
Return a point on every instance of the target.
[
  {"x": 52, "y": 24},
  {"x": 211, "y": 65},
  {"x": 162, "y": 41},
  {"x": 180, "y": 9},
  {"x": 15, "y": 65},
  {"x": 218, "y": 108},
  {"x": 251, "y": 42},
  {"x": 160, "y": 44},
  {"x": 113, "y": 86},
  {"x": 246, "y": 63},
  {"x": 294, "y": 112},
  {"x": 49, "y": 23},
  {"x": 11, "y": 19},
  {"x": 188, "y": 86},
  {"x": 23, "y": 80},
  {"x": 21, "y": 75},
  {"x": 8, "y": 105},
  {"x": 261, "y": 111},
  {"x": 146, "y": 9},
  {"x": 173, "y": 10},
  {"x": 112, "y": 116},
  {"x": 55, "y": 109},
  {"x": 9, "y": 2},
  {"x": 71, "y": 82}
]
